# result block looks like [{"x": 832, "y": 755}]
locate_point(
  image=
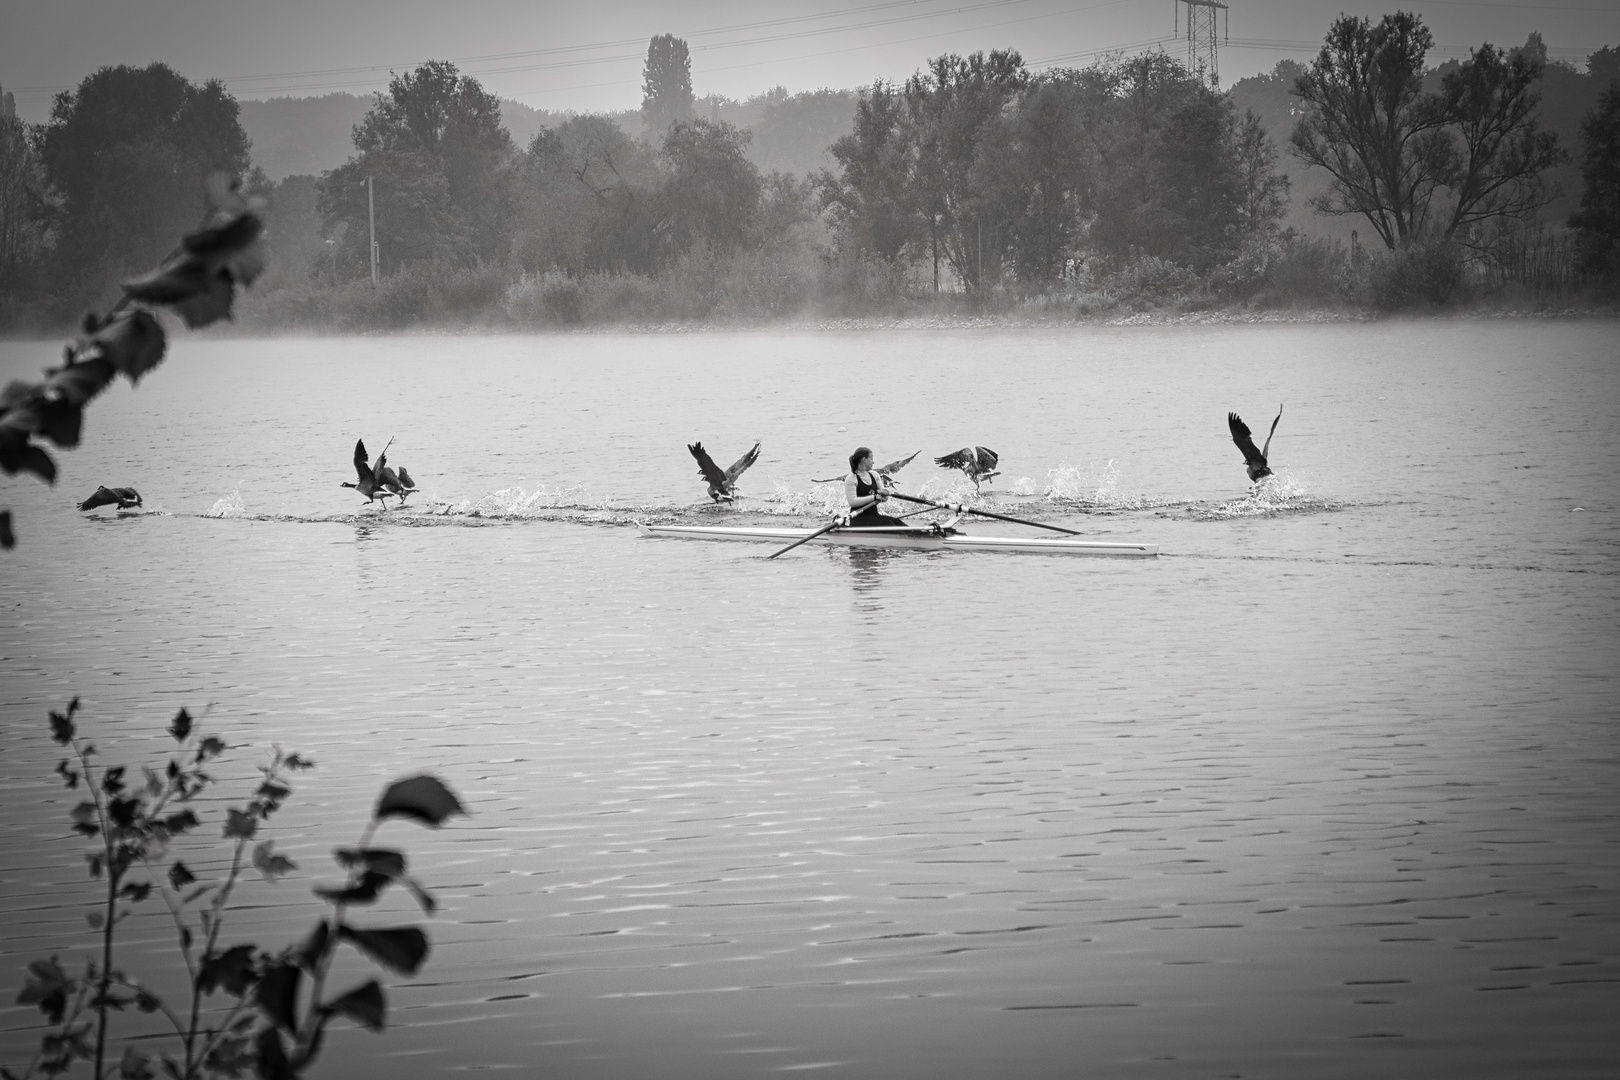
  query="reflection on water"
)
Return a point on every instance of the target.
[{"x": 1326, "y": 790}]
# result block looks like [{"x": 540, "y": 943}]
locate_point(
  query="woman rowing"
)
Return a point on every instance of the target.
[{"x": 864, "y": 490}]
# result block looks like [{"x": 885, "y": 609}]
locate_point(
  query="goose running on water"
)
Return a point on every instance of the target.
[
  {"x": 977, "y": 462},
  {"x": 378, "y": 482},
  {"x": 1255, "y": 460},
  {"x": 123, "y": 497},
  {"x": 722, "y": 485}
]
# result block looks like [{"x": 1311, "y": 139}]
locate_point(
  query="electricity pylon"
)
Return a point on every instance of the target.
[{"x": 1202, "y": 58}]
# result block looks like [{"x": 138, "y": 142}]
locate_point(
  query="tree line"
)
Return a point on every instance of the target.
[{"x": 975, "y": 176}]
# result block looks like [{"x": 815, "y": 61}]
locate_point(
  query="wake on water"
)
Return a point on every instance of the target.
[{"x": 1069, "y": 488}]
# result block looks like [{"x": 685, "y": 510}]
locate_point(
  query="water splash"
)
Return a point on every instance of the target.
[
  {"x": 823, "y": 500},
  {"x": 516, "y": 502},
  {"x": 1279, "y": 493},
  {"x": 231, "y": 506},
  {"x": 1095, "y": 488}
]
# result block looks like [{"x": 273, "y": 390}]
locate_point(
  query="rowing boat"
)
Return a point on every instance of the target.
[{"x": 896, "y": 536}]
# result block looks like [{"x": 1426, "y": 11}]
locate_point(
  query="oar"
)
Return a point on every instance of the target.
[
  {"x": 805, "y": 540},
  {"x": 983, "y": 513}
]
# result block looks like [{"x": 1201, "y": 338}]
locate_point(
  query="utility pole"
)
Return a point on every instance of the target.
[
  {"x": 371, "y": 213},
  {"x": 1201, "y": 53}
]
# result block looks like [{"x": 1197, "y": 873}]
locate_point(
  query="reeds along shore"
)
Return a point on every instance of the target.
[{"x": 1295, "y": 274}]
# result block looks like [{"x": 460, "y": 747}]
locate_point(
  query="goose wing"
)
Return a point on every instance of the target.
[
  {"x": 405, "y": 478},
  {"x": 127, "y": 497},
  {"x": 986, "y": 459},
  {"x": 362, "y": 461},
  {"x": 1245, "y": 441},
  {"x": 1265, "y": 451},
  {"x": 711, "y": 472},
  {"x": 102, "y": 497},
  {"x": 956, "y": 460},
  {"x": 741, "y": 464},
  {"x": 895, "y": 466}
]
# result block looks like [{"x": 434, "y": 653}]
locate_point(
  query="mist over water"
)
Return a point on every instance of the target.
[{"x": 1325, "y": 790}]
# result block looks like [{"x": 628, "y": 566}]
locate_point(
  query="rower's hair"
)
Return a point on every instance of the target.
[{"x": 855, "y": 458}]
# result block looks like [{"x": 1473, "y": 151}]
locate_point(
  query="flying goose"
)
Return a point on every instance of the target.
[
  {"x": 887, "y": 471},
  {"x": 125, "y": 497},
  {"x": 722, "y": 485},
  {"x": 1254, "y": 460},
  {"x": 977, "y": 462}
]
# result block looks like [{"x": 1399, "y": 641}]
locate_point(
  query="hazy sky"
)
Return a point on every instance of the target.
[{"x": 587, "y": 56}]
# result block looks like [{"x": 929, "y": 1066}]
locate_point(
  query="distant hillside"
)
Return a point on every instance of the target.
[
  {"x": 308, "y": 136},
  {"x": 302, "y": 135}
]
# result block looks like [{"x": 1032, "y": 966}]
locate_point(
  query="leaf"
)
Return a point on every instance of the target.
[
  {"x": 95, "y": 919},
  {"x": 47, "y": 987},
  {"x": 315, "y": 946},
  {"x": 69, "y": 776},
  {"x": 85, "y": 815},
  {"x": 61, "y": 732},
  {"x": 136, "y": 891},
  {"x": 272, "y": 1057},
  {"x": 268, "y": 863},
  {"x": 369, "y": 886},
  {"x": 240, "y": 826},
  {"x": 22, "y": 456},
  {"x": 210, "y": 747},
  {"x": 180, "y": 876},
  {"x": 133, "y": 342},
  {"x": 423, "y": 897},
  {"x": 180, "y": 729},
  {"x": 422, "y": 798},
  {"x": 112, "y": 779},
  {"x": 94, "y": 859},
  {"x": 147, "y": 1002},
  {"x": 277, "y": 995},
  {"x": 401, "y": 949},
  {"x": 365, "y": 1005},
  {"x": 376, "y": 860},
  {"x": 298, "y": 761},
  {"x": 182, "y": 822},
  {"x": 8, "y": 539},
  {"x": 134, "y": 1066},
  {"x": 231, "y": 970}
]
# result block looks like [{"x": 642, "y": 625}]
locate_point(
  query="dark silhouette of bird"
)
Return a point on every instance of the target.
[
  {"x": 106, "y": 496},
  {"x": 976, "y": 461},
  {"x": 1253, "y": 459},
  {"x": 888, "y": 471},
  {"x": 377, "y": 482},
  {"x": 722, "y": 485}
]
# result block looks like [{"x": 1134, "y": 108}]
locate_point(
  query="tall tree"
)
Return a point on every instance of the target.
[
  {"x": 870, "y": 197},
  {"x": 949, "y": 107},
  {"x": 127, "y": 152},
  {"x": 1372, "y": 127},
  {"x": 1599, "y": 216},
  {"x": 666, "y": 85},
  {"x": 588, "y": 200},
  {"x": 1503, "y": 150},
  {"x": 23, "y": 210},
  {"x": 713, "y": 189},
  {"x": 435, "y": 151}
]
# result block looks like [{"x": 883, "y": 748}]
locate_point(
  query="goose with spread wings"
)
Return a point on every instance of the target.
[
  {"x": 722, "y": 485},
  {"x": 1255, "y": 460},
  {"x": 378, "y": 482},
  {"x": 123, "y": 497},
  {"x": 887, "y": 471},
  {"x": 977, "y": 462}
]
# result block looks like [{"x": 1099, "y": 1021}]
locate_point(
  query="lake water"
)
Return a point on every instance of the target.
[{"x": 1328, "y": 789}]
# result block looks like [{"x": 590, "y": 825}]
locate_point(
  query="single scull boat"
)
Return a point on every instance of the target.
[{"x": 895, "y": 536}]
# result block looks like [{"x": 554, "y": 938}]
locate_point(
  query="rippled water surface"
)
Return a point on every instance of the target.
[{"x": 1328, "y": 789}]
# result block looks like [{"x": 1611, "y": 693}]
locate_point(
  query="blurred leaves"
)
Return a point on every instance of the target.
[{"x": 421, "y": 798}]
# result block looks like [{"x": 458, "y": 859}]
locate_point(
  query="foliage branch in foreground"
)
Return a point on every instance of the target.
[
  {"x": 198, "y": 281},
  {"x": 246, "y": 1009}
]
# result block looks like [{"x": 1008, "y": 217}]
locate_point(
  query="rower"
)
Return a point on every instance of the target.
[{"x": 864, "y": 490}]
